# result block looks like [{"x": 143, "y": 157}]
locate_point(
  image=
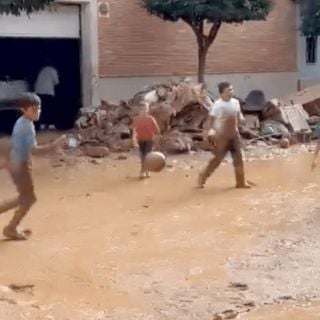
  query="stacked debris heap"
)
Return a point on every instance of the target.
[{"x": 181, "y": 110}]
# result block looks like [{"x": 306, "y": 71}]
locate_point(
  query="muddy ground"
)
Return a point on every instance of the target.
[{"x": 106, "y": 246}]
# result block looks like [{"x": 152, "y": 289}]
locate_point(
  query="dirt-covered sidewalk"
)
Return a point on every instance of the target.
[{"x": 106, "y": 246}]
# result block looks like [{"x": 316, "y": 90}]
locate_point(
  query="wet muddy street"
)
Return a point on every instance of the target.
[{"x": 106, "y": 246}]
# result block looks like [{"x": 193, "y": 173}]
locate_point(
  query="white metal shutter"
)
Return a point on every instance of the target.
[{"x": 61, "y": 21}]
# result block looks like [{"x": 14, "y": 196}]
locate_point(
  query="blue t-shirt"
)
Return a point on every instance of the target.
[{"x": 23, "y": 140}]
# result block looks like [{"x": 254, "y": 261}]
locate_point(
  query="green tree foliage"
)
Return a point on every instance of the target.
[
  {"x": 310, "y": 13},
  {"x": 16, "y": 7},
  {"x": 203, "y": 15}
]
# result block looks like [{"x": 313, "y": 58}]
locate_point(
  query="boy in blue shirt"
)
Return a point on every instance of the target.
[{"x": 23, "y": 145}]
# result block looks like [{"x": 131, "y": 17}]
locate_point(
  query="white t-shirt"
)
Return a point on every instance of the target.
[
  {"x": 46, "y": 82},
  {"x": 227, "y": 115}
]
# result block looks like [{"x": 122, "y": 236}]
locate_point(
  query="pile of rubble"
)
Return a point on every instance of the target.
[
  {"x": 181, "y": 110},
  {"x": 294, "y": 118}
]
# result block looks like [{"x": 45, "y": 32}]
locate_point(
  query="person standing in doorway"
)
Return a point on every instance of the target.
[
  {"x": 223, "y": 135},
  {"x": 45, "y": 88}
]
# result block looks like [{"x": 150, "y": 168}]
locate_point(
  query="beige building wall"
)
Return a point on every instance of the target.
[
  {"x": 274, "y": 84},
  {"x": 133, "y": 43},
  {"x": 137, "y": 49}
]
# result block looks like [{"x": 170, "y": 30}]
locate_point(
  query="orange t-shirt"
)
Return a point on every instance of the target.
[{"x": 145, "y": 127}]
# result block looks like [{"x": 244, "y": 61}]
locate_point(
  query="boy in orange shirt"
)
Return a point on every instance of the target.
[{"x": 145, "y": 128}]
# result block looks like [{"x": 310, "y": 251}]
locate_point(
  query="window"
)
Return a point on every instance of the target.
[{"x": 311, "y": 49}]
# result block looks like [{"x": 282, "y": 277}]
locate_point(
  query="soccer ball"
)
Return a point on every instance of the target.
[
  {"x": 155, "y": 161},
  {"x": 284, "y": 143}
]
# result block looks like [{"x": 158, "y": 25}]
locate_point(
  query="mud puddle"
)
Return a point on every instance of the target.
[{"x": 106, "y": 246}]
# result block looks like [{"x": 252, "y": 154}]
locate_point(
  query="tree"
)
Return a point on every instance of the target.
[
  {"x": 310, "y": 13},
  {"x": 16, "y": 7},
  {"x": 207, "y": 14}
]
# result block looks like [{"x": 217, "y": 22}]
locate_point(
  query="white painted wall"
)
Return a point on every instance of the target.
[
  {"x": 90, "y": 54},
  {"x": 309, "y": 74},
  {"x": 274, "y": 85},
  {"x": 307, "y": 71},
  {"x": 89, "y": 51},
  {"x": 58, "y": 22}
]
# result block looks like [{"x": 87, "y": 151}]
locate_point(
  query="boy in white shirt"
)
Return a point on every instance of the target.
[{"x": 225, "y": 115}]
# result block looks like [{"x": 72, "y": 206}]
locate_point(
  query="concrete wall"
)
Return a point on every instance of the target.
[
  {"x": 273, "y": 84},
  {"x": 137, "y": 49},
  {"x": 134, "y": 43},
  {"x": 89, "y": 51},
  {"x": 309, "y": 74}
]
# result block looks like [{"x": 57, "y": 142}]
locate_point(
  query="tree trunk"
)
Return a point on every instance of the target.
[
  {"x": 204, "y": 43},
  {"x": 202, "y": 58}
]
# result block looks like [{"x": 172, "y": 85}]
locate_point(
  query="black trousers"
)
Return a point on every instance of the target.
[
  {"x": 48, "y": 114},
  {"x": 145, "y": 147}
]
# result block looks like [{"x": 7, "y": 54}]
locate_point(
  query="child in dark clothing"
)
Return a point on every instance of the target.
[{"x": 145, "y": 128}]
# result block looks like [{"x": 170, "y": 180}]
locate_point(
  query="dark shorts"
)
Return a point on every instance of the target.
[
  {"x": 145, "y": 147},
  {"x": 23, "y": 180}
]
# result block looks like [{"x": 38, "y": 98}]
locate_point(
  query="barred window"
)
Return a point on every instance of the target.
[{"x": 311, "y": 49}]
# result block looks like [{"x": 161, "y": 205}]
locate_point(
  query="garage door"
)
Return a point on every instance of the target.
[{"x": 58, "y": 22}]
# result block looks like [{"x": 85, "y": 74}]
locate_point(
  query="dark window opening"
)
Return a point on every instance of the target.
[
  {"x": 21, "y": 60},
  {"x": 311, "y": 49}
]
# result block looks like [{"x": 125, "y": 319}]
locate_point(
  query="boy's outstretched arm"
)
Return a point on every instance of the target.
[
  {"x": 210, "y": 122},
  {"x": 241, "y": 118},
  {"x": 50, "y": 147},
  {"x": 134, "y": 138},
  {"x": 156, "y": 126},
  {"x": 210, "y": 134},
  {"x": 315, "y": 155}
]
